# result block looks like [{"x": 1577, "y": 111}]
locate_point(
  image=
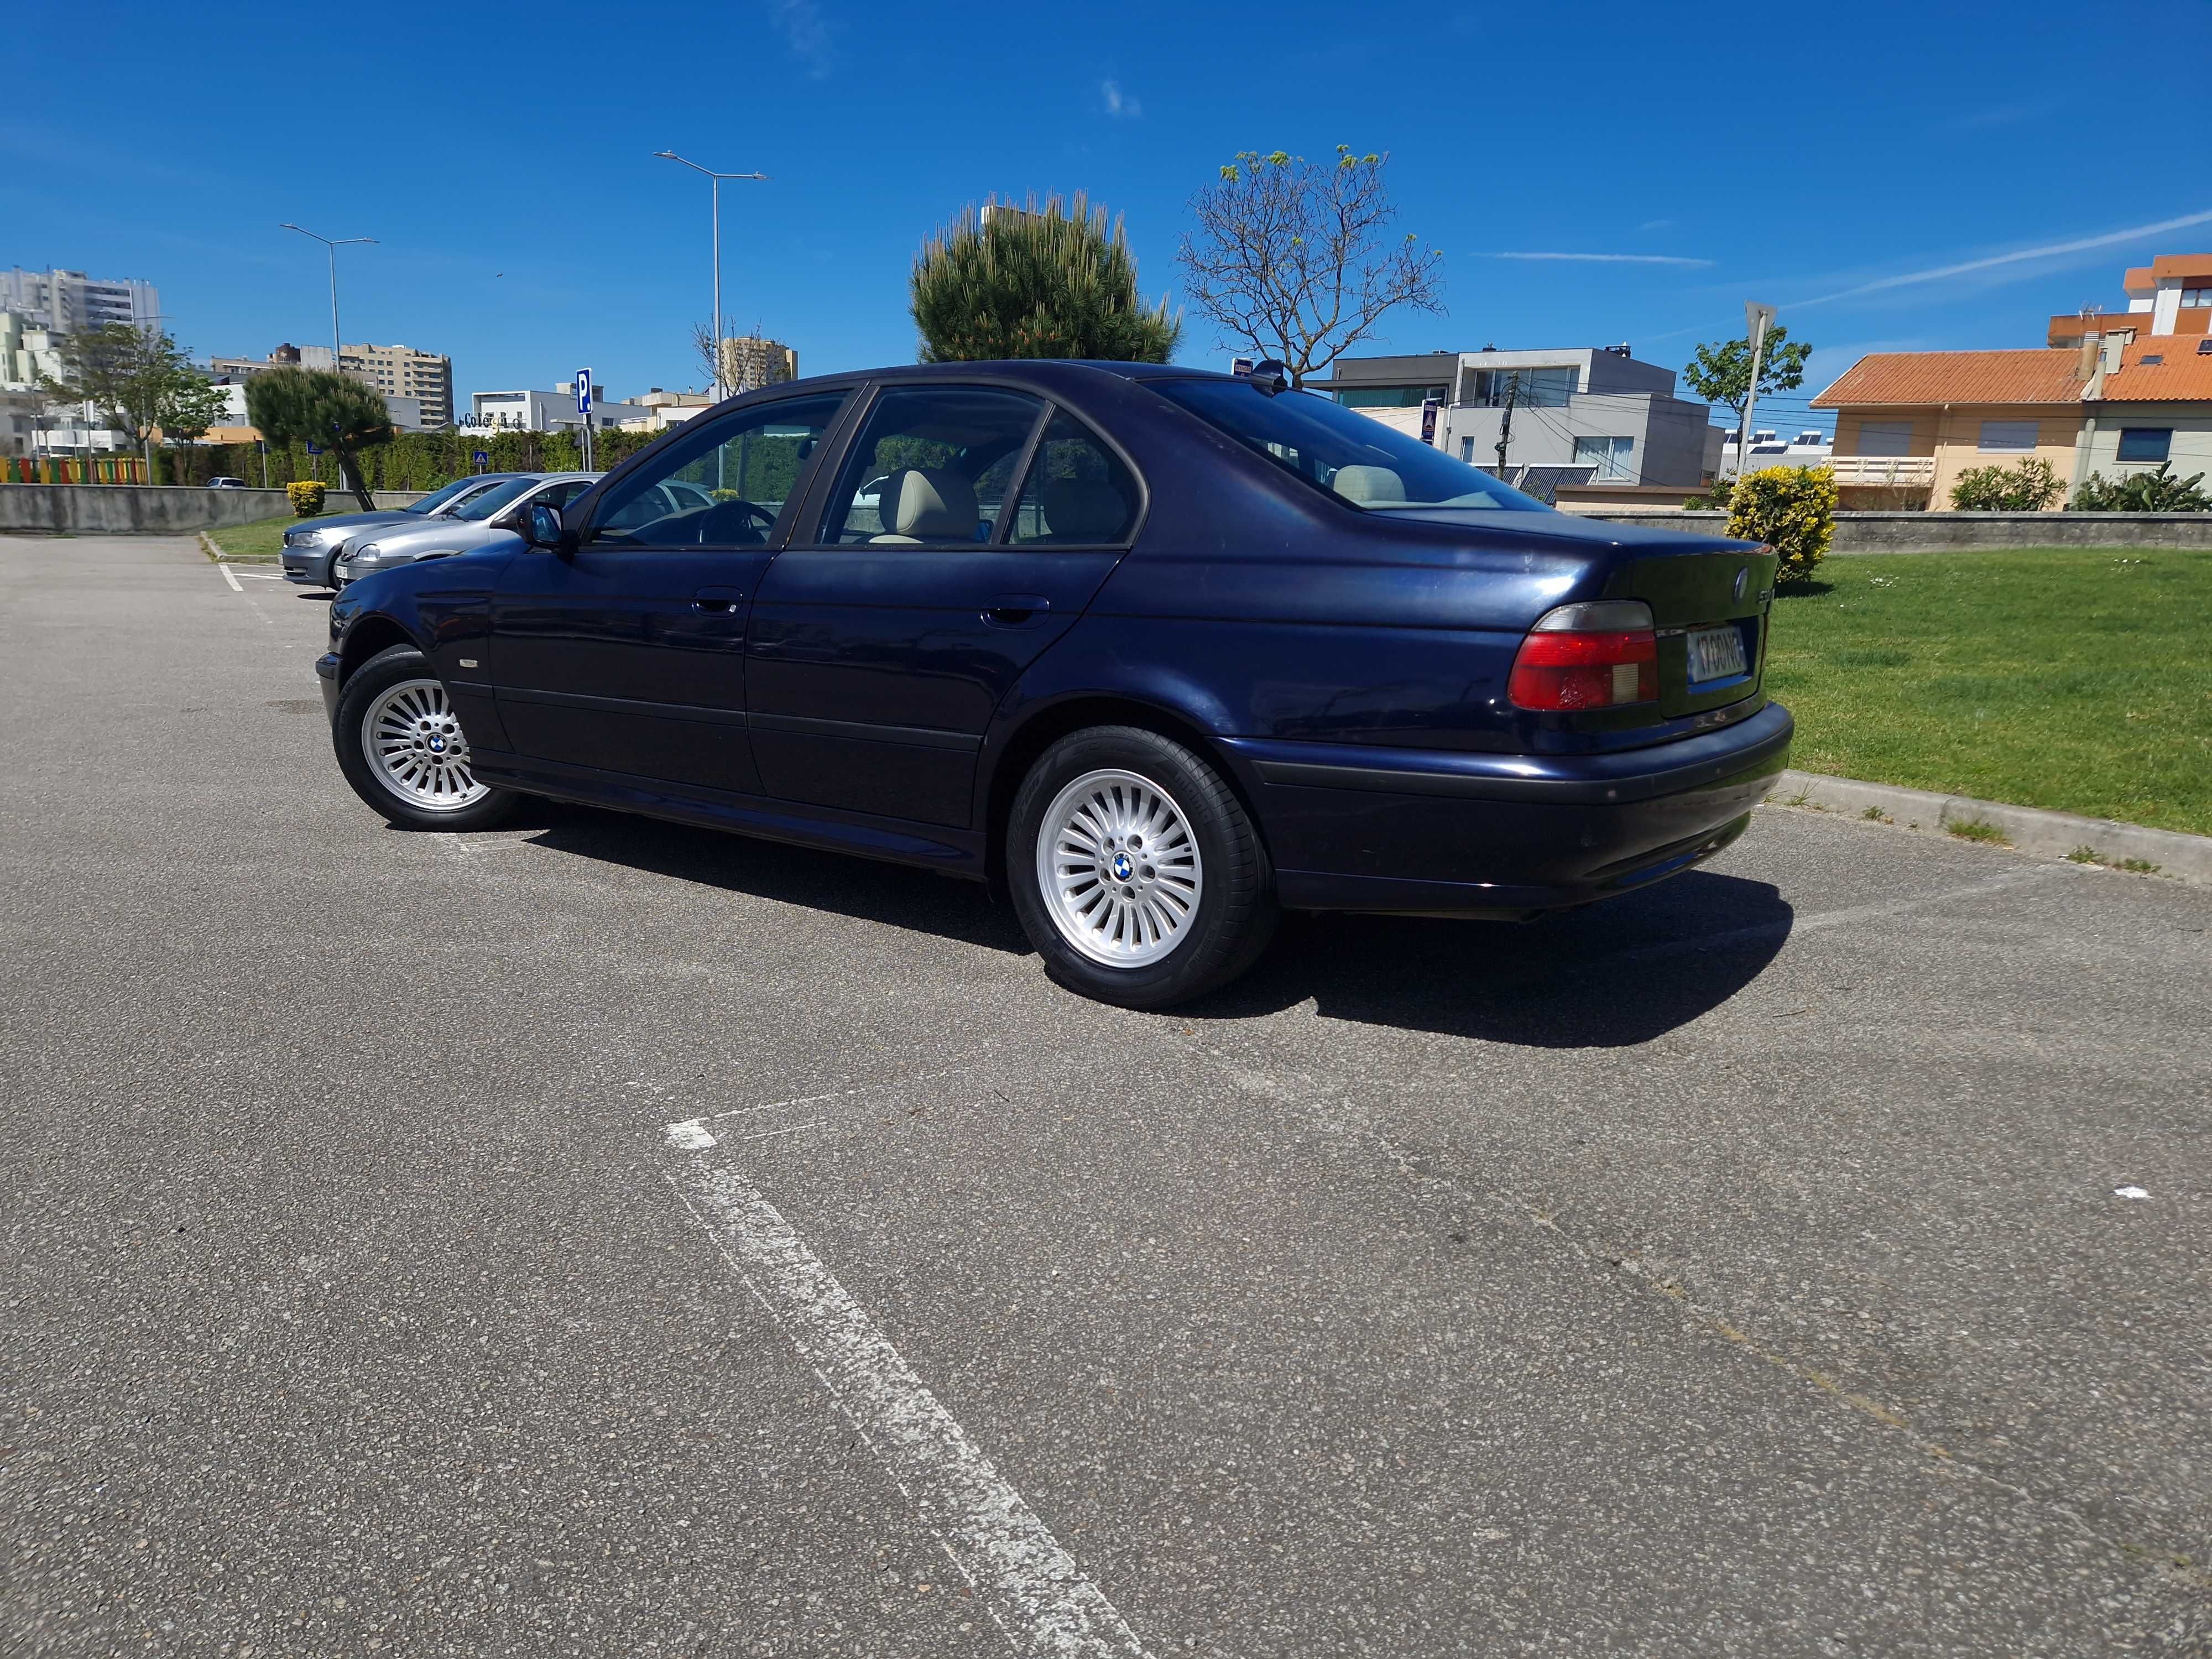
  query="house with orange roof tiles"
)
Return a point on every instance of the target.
[
  {"x": 2113, "y": 392},
  {"x": 1908, "y": 423}
]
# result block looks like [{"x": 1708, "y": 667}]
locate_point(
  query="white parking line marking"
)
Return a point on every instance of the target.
[
  {"x": 1038, "y": 1596},
  {"x": 229, "y": 578}
]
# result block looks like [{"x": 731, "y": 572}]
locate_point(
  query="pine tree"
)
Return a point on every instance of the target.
[
  {"x": 316, "y": 406},
  {"x": 1057, "y": 281}
]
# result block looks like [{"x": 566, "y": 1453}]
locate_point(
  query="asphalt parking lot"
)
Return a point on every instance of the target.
[{"x": 601, "y": 1237}]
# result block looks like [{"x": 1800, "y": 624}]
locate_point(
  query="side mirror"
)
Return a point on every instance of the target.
[{"x": 541, "y": 525}]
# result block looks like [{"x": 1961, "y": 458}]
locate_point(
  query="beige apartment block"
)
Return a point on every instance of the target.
[
  {"x": 748, "y": 362},
  {"x": 399, "y": 370}
]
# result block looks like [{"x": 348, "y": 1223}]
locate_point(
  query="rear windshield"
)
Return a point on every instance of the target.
[{"x": 1357, "y": 459}]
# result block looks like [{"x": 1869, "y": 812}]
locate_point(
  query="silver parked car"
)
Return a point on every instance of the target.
[
  {"x": 477, "y": 522},
  {"x": 312, "y": 546}
]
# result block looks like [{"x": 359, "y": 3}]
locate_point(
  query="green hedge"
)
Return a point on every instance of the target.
[{"x": 422, "y": 461}]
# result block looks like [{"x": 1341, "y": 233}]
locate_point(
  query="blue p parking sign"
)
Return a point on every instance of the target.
[{"x": 583, "y": 392}]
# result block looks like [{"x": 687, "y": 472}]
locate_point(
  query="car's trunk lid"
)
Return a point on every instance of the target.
[{"x": 1710, "y": 607}]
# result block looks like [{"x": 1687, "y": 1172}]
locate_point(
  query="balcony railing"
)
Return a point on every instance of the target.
[{"x": 1887, "y": 469}]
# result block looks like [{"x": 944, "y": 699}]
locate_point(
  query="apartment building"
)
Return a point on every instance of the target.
[
  {"x": 749, "y": 363},
  {"x": 400, "y": 371},
  {"x": 71, "y": 302},
  {"x": 1593, "y": 413}
]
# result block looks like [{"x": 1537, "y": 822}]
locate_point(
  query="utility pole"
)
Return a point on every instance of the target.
[
  {"x": 1505, "y": 432},
  {"x": 715, "y": 327},
  {"x": 1756, "y": 319}
]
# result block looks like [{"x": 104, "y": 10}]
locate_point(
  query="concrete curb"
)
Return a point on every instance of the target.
[
  {"x": 2027, "y": 830},
  {"x": 208, "y": 547}
]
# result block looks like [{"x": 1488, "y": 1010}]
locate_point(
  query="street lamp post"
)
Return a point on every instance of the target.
[
  {"x": 715, "y": 329},
  {"x": 338, "y": 352}
]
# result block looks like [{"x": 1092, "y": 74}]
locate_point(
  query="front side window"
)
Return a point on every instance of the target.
[
  {"x": 1358, "y": 460},
  {"x": 2146, "y": 443},
  {"x": 1077, "y": 493},
  {"x": 2008, "y": 437},
  {"x": 931, "y": 467},
  {"x": 725, "y": 483}
]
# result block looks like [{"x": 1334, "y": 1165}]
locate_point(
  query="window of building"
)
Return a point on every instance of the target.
[
  {"x": 2197, "y": 296},
  {"x": 1526, "y": 388},
  {"x": 2007, "y": 437},
  {"x": 1885, "y": 438},
  {"x": 1611, "y": 455},
  {"x": 1389, "y": 396},
  {"x": 1467, "y": 450},
  {"x": 2146, "y": 443}
]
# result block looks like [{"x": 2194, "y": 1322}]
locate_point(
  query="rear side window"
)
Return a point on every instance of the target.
[
  {"x": 1360, "y": 461},
  {"x": 1077, "y": 494},
  {"x": 932, "y": 468}
]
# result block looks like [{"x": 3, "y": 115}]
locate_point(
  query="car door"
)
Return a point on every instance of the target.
[
  {"x": 886, "y": 635},
  {"x": 625, "y": 653}
]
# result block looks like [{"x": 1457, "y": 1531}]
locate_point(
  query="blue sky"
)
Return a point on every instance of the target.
[{"x": 1689, "y": 158}]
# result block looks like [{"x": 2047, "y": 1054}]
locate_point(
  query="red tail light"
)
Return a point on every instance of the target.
[{"x": 1599, "y": 655}]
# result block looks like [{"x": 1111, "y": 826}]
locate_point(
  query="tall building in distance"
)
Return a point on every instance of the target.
[
  {"x": 400, "y": 371},
  {"x": 749, "y": 363},
  {"x": 409, "y": 379},
  {"x": 71, "y": 302}
]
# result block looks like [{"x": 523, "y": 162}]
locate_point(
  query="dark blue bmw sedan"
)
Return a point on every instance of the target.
[{"x": 1155, "y": 653}]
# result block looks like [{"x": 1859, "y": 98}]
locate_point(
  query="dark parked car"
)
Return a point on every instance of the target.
[{"x": 1151, "y": 650}]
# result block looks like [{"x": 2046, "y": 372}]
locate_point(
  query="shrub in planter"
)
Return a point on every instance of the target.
[
  {"x": 2028, "y": 488},
  {"x": 1792, "y": 509},
  {"x": 307, "y": 496}
]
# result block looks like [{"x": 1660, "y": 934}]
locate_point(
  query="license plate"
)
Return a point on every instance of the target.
[{"x": 1716, "y": 653}]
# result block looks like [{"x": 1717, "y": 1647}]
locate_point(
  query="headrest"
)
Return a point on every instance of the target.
[
  {"x": 1083, "y": 510},
  {"x": 928, "y": 506},
  {"x": 1368, "y": 483}
]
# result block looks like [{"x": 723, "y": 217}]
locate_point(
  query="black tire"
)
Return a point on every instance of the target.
[
  {"x": 1234, "y": 916},
  {"x": 369, "y": 683}
]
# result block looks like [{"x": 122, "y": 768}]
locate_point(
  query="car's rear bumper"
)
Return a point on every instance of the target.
[{"x": 1420, "y": 830}]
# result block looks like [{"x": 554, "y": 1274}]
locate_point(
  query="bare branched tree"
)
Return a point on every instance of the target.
[{"x": 1293, "y": 259}]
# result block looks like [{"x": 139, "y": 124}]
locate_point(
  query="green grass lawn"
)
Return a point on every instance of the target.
[
  {"x": 2072, "y": 678},
  {"x": 262, "y": 539}
]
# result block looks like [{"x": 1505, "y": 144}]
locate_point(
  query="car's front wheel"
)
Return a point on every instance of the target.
[
  {"x": 1135, "y": 870},
  {"x": 402, "y": 748}
]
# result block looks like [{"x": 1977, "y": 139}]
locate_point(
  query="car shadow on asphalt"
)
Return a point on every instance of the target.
[
  {"x": 1607, "y": 975},
  {"x": 898, "y": 896}
]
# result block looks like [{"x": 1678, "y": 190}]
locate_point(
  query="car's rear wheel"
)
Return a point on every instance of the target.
[
  {"x": 1135, "y": 870},
  {"x": 401, "y": 747}
]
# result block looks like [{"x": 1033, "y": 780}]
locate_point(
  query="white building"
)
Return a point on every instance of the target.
[
  {"x": 1570, "y": 409},
  {"x": 71, "y": 302},
  {"x": 1808, "y": 448},
  {"x": 545, "y": 411}
]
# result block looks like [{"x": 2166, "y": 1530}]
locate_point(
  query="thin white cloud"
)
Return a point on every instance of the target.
[
  {"x": 2049, "y": 250},
  {"x": 1655, "y": 224},
  {"x": 1119, "y": 104},
  {"x": 1609, "y": 258},
  {"x": 810, "y": 35}
]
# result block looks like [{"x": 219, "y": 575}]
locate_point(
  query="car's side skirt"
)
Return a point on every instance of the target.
[{"x": 949, "y": 852}]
